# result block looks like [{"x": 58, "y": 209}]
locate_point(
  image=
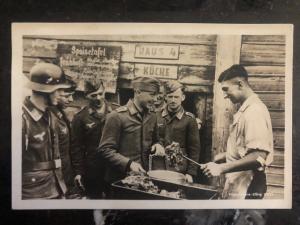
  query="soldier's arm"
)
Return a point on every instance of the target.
[
  {"x": 157, "y": 142},
  {"x": 109, "y": 143},
  {"x": 77, "y": 149},
  {"x": 24, "y": 134},
  {"x": 193, "y": 146}
]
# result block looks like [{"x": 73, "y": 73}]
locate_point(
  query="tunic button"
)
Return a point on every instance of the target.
[{"x": 33, "y": 179}]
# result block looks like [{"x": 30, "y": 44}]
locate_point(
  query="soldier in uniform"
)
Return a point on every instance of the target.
[
  {"x": 87, "y": 129},
  {"x": 160, "y": 103},
  {"x": 59, "y": 109},
  {"x": 41, "y": 159},
  {"x": 130, "y": 132},
  {"x": 177, "y": 125}
]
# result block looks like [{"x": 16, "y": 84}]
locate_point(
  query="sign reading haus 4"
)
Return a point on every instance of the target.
[{"x": 156, "y": 51}]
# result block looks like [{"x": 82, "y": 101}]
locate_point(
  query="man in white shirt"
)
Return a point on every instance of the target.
[{"x": 250, "y": 141}]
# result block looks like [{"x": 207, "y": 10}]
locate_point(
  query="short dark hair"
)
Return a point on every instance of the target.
[{"x": 232, "y": 72}]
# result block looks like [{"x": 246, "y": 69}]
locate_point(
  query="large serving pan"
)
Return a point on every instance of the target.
[
  {"x": 167, "y": 175},
  {"x": 191, "y": 191}
]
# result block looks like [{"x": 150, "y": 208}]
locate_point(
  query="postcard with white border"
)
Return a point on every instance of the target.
[{"x": 151, "y": 116}]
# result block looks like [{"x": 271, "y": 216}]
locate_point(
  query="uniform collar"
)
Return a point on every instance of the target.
[
  {"x": 58, "y": 113},
  {"x": 179, "y": 114},
  {"x": 132, "y": 107},
  {"x": 35, "y": 113},
  {"x": 252, "y": 98}
]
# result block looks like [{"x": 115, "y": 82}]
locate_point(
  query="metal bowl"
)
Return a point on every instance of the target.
[{"x": 167, "y": 175}]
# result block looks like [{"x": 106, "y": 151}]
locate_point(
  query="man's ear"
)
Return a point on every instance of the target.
[
  {"x": 241, "y": 83},
  {"x": 183, "y": 97}
]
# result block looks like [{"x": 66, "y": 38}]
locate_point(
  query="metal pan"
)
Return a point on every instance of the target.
[{"x": 167, "y": 175}]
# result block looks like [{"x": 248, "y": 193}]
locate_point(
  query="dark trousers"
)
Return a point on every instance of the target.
[
  {"x": 94, "y": 181},
  {"x": 258, "y": 186}
]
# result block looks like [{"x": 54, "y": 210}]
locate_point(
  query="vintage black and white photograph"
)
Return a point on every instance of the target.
[{"x": 151, "y": 116}]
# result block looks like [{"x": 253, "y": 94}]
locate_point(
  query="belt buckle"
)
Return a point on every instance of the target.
[{"x": 57, "y": 163}]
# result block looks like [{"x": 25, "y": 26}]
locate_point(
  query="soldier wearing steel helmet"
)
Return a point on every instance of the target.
[
  {"x": 177, "y": 125},
  {"x": 42, "y": 175}
]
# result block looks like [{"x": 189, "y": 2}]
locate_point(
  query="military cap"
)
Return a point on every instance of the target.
[
  {"x": 172, "y": 85},
  {"x": 91, "y": 86},
  {"x": 146, "y": 84},
  {"x": 47, "y": 77}
]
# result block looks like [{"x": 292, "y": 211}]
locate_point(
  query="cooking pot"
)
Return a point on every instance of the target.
[{"x": 167, "y": 175}]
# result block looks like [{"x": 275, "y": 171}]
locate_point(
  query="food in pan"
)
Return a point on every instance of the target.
[
  {"x": 144, "y": 183},
  {"x": 174, "y": 154}
]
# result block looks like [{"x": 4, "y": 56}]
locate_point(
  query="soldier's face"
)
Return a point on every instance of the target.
[
  {"x": 61, "y": 98},
  {"x": 160, "y": 98},
  {"x": 174, "y": 99},
  {"x": 232, "y": 90},
  {"x": 97, "y": 98},
  {"x": 147, "y": 98}
]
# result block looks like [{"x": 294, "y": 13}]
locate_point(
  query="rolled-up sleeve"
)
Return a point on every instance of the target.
[{"x": 258, "y": 131}]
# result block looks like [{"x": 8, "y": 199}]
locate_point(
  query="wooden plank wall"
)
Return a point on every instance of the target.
[
  {"x": 264, "y": 59},
  {"x": 195, "y": 66},
  {"x": 195, "y": 63}
]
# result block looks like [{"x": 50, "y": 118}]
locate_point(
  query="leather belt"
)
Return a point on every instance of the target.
[{"x": 48, "y": 165}]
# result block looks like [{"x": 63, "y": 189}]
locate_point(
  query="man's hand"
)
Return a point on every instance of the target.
[
  {"x": 136, "y": 167},
  {"x": 212, "y": 169},
  {"x": 189, "y": 178},
  {"x": 78, "y": 182},
  {"x": 158, "y": 150},
  {"x": 199, "y": 123}
]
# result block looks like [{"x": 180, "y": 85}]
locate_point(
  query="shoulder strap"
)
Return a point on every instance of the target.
[
  {"x": 122, "y": 109},
  {"x": 190, "y": 114}
]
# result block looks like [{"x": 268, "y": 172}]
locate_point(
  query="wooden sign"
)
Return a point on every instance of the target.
[
  {"x": 157, "y": 71},
  {"x": 90, "y": 62},
  {"x": 156, "y": 51}
]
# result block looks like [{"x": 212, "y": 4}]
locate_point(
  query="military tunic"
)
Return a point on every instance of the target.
[
  {"x": 64, "y": 140},
  {"x": 87, "y": 127},
  {"x": 181, "y": 128},
  {"x": 41, "y": 162},
  {"x": 127, "y": 136}
]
